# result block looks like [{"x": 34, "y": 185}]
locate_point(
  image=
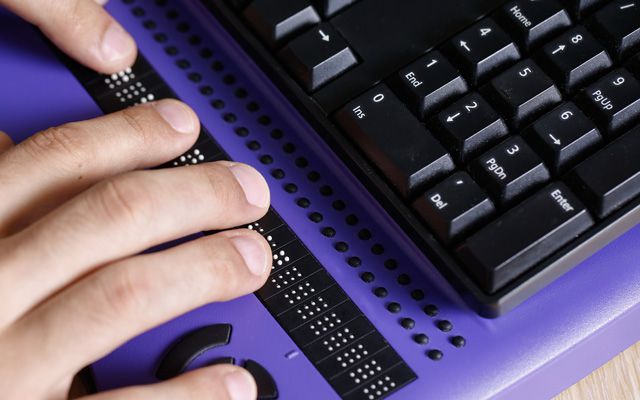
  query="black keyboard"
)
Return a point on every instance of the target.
[{"x": 502, "y": 136}]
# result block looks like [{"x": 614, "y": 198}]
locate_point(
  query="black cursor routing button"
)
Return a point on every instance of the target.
[
  {"x": 267, "y": 389},
  {"x": 190, "y": 346}
]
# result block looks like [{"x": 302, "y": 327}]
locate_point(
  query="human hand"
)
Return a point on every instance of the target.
[{"x": 76, "y": 212}]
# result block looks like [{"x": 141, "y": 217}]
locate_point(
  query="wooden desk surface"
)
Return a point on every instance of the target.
[{"x": 619, "y": 379}]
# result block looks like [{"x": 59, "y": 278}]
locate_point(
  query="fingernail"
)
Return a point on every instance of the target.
[
  {"x": 253, "y": 184},
  {"x": 239, "y": 385},
  {"x": 177, "y": 115},
  {"x": 116, "y": 43},
  {"x": 252, "y": 252},
  {"x": 101, "y": 2}
]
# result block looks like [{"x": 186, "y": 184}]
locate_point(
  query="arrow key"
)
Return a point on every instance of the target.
[
  {"x": 318, "y": 56},
  {"x": 563, "y": 137}
]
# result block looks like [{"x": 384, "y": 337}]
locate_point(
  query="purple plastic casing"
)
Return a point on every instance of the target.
[{"x": 541, "y": 347}]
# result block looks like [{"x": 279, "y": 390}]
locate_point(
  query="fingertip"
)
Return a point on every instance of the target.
[
  {"x": 178, "y": 115},
  {"x": 254, "y": 250},
  {"x": 117, "y": 49},
  {"x": 240, "y": 384},
  {"x": 253, "y": 184},
  {"x": 5, "y": 142}
]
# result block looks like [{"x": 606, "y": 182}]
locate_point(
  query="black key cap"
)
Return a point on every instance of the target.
[
  {"x": 523, "y": 92},
  {"x": 509, "y": 170},
  {"x": 394, "y": 140},
  {"x": 429, "y": 83},
  {"x": 454, "y": 207},
  {"x": 611, "y": 177},
  {"x": 238, "y": 4},
  {"x": 579, "y": 8},
  {"x": 524, "y": 236},
  {"x": 634, "y": 65},
  {"x": 327, "y": 8},
  {"x": 533, "y": 21},
  {"x": 614, "y": 100},
  {"x": 317, "y": 56},
  {"x": 469, "y": 126},
  {"x": 562, "y": 137},
  {"x": 619, "y": 26},
  {"x": 574, "y": 58},
  {"x": 276, "y": 22},
  {"x": 483, "y": 50}
]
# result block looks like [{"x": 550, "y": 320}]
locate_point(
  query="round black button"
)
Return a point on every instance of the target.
[
  {"x": 394, "y": 307},
  {"x": 435, "y": 355},
  {"x": 421, "y": 338}
]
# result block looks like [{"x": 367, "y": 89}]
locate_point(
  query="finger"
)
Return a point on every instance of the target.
[
  {"x": 123, "y": 216},
  {"x": 131, "y": 296},
  {"x": 5, "y": 142},
  {"x": 52, "y": 166},
  {"x": 82, "y": 29},
  {"x": 221, "y": 382}
]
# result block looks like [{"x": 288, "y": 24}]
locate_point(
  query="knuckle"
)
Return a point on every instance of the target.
[
  {"x": 124, "y": 200},
  {"x": 64, "y": 141},
  {"x": 221, "y": 183},
  {"x": 135, "y": 119},
  {"x": 123, "y": 293}
]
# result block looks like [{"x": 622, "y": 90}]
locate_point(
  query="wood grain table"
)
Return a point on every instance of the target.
[{"x": 619, "y": 379}]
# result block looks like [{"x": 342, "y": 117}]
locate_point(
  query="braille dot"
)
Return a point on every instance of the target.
[
  {"x": 195, "y": 40},
  {"x": 364, "y": 234},
  {"x": 194, "y": 77},
  {"x": 138, "y": 12},
  {"x": 339, "y": 205},
  {"x": 351, "y": 219},
  {"x": 217, "y": 104},
  {"x": 421, "y": 338},
  {"x": 171, "y": 50},
  {"x": 172, "y": 14},
  {"x": 394, "y": 307},
  {"x": 354, "y": 262},
  {"x": 381, "y": 292},
  {"x": 404, "y": 279},
  {"x": 278, "y": 174},
  {"x": 149, "y": 24},
  {"x": 253, "y": 145},
  {"x": 160, "y": 37},
  {"x": 328, "y": 231},
  {"x": 241, "y": 93},
  {"x": 252, "y": 106},
  {"x": 313, "y": 176},
  {"x": 417, "y": 294},
  {"x": 431, "y": 310},
  {"x": 289, "y": 148},
  {"x": 241, "y": 131},
  {"x": 303, "y": 202},
  {"x": 266, "y": 159},
  {"x": 276, "y": 134},
  {"x": 391, "y": 264},
  {"x": 316, "y": 217},
  {"x": 229, "y": 79},
  {"x": 183, "y": 27},
  {"x": 367, "y": 277},
  {"x": 183, "y": 64},
  {"x": 342, "y": 247},
  {"x": 377, "y": 249},
  {"x": 326, "y": 190},
  {"x": 206, "y": 90},
  {"x": 264, "y": 120},
  {"x": 458, "y": 341},
  {"x": 407, "y": 323},
  {"x": 206, "y": 53},
  {"x": 435, "y": 355},
  {"x": 444, "y": 325},
  {"x": 217, "y": 66},
  {"x": 230, "y": 117},
  {"x": 291, "y": 188},
  {"x": 301, "y": 162}
]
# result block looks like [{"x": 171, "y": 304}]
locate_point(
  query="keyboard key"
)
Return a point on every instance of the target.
[
  {"x": 562, "y": 137},
  {"x": 611, "y": 177},
  {"x": 614, "y": 100},
  {"x": 393, "y": 139},
  {"x": 533, "y": 21},
  {"x": 317, "y": 56},
  {"x": 619, "y": 26},
  {"x": 634, "y": 65},
  {"x": 482, "y": 50},
  {"x": 579, "y": 8},
  {"x": 277, "y": 21},
  {"x": 524, "y": 236},
  {"x": 469, "y": 126},
  {"x": 523, "y": 92},
  {"x": 454, "y": 207},
  {"x": 509, "y": 171},
  {"x": 327, "y": 8},
  {"x": 574, "y": 58},
  {"x": 428, "y": 83}
]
